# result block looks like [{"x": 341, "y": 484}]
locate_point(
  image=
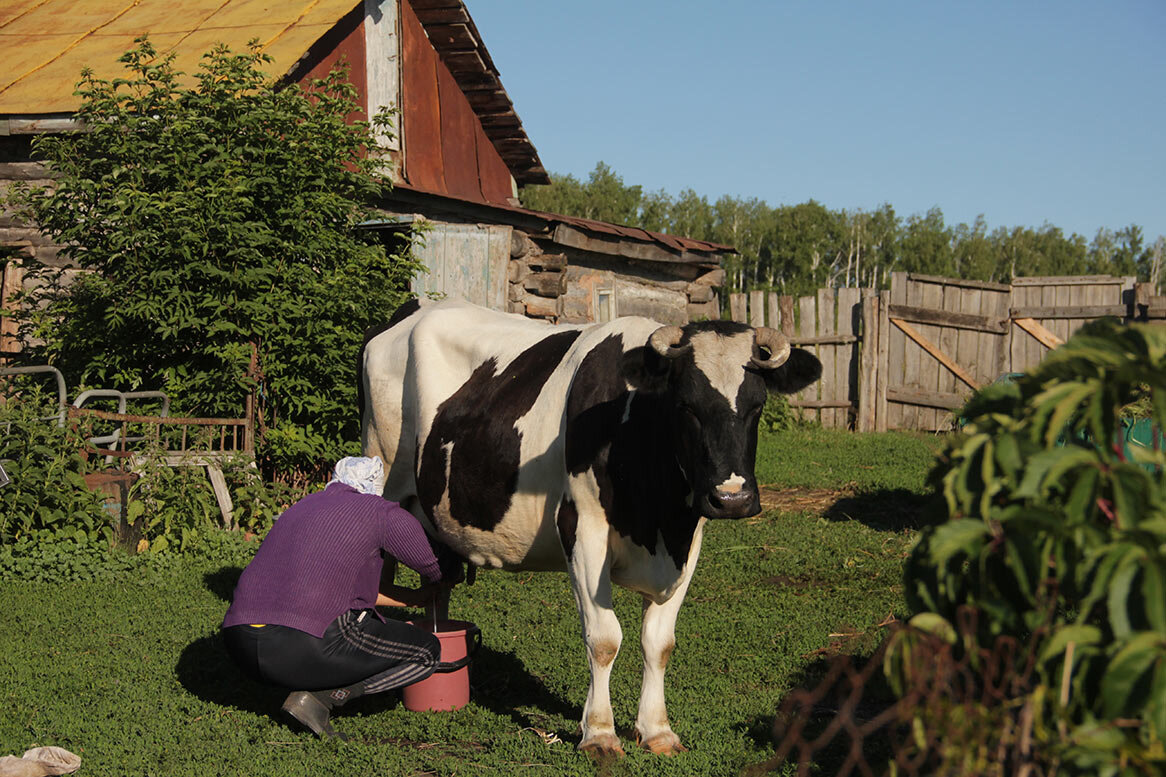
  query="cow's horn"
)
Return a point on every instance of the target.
[
  {"x": 775, "y": 343},
  {"x": 665, "y": 341}
]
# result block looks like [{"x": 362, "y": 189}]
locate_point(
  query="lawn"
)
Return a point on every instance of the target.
[{"x": 131, "y": 675}]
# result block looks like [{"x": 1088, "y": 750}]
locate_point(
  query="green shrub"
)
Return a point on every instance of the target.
[
  {"x": 174, "y": 508},
  {"x": 46, "y": 495},
  {"x": 1055, "y": 536},
  {"x": 217, "y": 215}
]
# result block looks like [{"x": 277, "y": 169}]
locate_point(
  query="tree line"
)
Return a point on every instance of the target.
[{"x": 795, "y": 249}]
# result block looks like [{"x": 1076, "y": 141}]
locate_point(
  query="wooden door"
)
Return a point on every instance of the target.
[{"x": 467, "y": 261}]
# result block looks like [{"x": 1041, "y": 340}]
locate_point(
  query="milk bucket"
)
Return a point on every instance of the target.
[{"x": 448, "y": 688}]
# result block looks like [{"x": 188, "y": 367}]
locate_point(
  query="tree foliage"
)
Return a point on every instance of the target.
[
  {"x": 215, "y": 215},
  {"x": 1054, "y": 527},
  {"x": 795, "y": 249}
]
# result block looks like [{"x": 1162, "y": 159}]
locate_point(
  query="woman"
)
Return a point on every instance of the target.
[{"x": 303, "y": 614}]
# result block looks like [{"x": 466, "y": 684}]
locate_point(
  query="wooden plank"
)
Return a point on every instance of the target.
[
  {"x": 946, "y": 316},
  {"x": 928, "y": 399},
  {"x": 1019, "y": 346},
  {"x": 773, "y": 310},
  {"x": 756, "y": 308},
  {"x": 864, "y": 422},
  {"x": 1067, "y": 280},
  {"x": 897, "y": 415},
  {"x": 807, "y": 318},
  {"x": 999, "y": 347},
  {"x": 1079, "y": 296},
  {"x": 957, "y": 282},
  {"x": 222, "y": 496},
  {"x": 846, "y": 367},
  {"x": 737, "y": 307},
  {"x": 827, "y": 354},
  {"x": 1044, "y": 336},
  {"x": 788, "y": 324},
  {"x": 967, "y": 341},
  {"x": 820, "y": 404},
  {"x": 930, "y": 373},
  {"x": 1060, "y": 327},
  {"x": 1052, "y": 311},
  {"x": 824, "y": 340},
  {"x": 881, "y": 367},
  {"x": 949, "y": 344},
  {"x": 934, "y": 350}
]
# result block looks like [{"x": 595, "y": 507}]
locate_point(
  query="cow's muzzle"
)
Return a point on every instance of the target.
[{"x": 732, "y": 504}]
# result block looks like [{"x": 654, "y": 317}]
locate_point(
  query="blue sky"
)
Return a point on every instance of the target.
[{"x": 1026, "y": 112}]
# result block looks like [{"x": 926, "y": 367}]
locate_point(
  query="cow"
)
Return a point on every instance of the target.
[{"x": 599, "y": 449}]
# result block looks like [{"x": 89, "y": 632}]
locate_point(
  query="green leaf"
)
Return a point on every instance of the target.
[
  {"x": 1119, "y": 593},
  {"x": 1125, "y": 685},
  {"x": 934, "y": 624},
  {"x": 956, "y": 537},
  {"x": 1079, "y": 634}
]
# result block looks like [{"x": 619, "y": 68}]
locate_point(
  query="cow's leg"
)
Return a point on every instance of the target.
[
  {"x": 658, "y": 639},
  {"x": 590, "y": 570}
]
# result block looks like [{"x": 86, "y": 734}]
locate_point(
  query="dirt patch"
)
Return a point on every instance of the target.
[
  {"x": 893, "y": 509},
  {"x": 803, "y": 500}
]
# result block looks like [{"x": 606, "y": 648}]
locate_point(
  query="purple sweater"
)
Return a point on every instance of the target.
[{"x": 323, "y": 557}]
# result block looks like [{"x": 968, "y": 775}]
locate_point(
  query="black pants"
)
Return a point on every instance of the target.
[{"x": 358, "y": 652}]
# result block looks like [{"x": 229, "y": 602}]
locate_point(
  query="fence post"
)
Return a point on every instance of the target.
[
  {"x": 756, "y": 308},
  {"x": 882, "y": 361},
  {"x": 866, "y": 367},
  {"x": 737, "y": 309}
]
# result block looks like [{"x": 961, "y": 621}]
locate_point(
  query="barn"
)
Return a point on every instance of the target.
[{"x": 460, "y": 152}]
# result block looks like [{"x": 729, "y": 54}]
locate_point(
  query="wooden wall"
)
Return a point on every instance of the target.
[{"x": 445, "y": 148}]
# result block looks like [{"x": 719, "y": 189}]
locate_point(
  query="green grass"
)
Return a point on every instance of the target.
[{"x": 131, "y": 674}]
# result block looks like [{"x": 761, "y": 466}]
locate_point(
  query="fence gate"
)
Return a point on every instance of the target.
[
  {"x": 1047, "y": 310},
  {"x": 908, "y": 357},
  {"x": 943, "y": 339}
]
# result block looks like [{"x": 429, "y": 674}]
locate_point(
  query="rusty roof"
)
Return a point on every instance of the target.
[
  {"x": 46, "y": 43},
  {"x": 586, "y": 234},
  {"x": 459, "y": 44}
]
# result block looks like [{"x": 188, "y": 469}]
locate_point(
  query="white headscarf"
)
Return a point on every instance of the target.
[{"x": 366, "y": 475}]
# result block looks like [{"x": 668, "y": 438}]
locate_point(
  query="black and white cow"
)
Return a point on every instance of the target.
[{"x": 599, "y": 449}]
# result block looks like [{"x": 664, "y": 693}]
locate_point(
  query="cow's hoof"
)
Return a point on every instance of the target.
[
  {"x": 664, "y": 743},
  {"x": 603, "y": 746}
]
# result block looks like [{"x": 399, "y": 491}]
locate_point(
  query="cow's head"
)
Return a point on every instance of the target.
[{"x": 715, "y": 376}]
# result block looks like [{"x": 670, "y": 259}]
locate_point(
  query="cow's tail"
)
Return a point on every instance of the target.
[{"x": 407, "y": 309}]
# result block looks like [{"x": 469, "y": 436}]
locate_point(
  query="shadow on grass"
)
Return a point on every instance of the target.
[
  {"x": 499, "y": 681},
  {"x": 886, "y": 510},
  {"x": 222, "y": 582},
  {"x": 206, "y": 671},
  {"x": 826, "y": 741}
]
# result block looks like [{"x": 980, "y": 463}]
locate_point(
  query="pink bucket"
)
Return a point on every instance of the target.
[{"x": 449, "y": 687}]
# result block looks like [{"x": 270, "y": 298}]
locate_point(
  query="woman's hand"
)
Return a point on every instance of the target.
[{"x": 422, "y": 596}]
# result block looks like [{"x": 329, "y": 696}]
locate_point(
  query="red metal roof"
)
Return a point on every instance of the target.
[{"x": 601, "y": 236}]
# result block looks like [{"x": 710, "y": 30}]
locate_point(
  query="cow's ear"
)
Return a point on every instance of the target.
[
  {"x": 798, "y": 371},
  {"x": 646, "y": 370}
]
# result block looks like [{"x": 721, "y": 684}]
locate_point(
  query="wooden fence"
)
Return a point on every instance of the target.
[{"x": 906, "y": 358}]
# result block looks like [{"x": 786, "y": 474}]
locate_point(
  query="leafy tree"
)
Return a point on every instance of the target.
[
  {"x": 216, "y": 218},
  {"x": 795, "y": 249}
]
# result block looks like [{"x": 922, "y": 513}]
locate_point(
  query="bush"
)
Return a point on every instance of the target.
[
  {"x": 218, "y": 219},
  {"x": 47, "y": 498},
  {"x": 46, "y": 495},
  {"x": 1055, "y": 536}
]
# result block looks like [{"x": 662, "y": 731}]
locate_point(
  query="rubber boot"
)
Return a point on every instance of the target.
[{"x": 312, "y": 710}]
